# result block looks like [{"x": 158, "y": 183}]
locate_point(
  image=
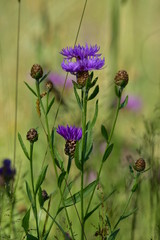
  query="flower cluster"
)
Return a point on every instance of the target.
[
  {"x": 6, "y": 172},
  {"x": 86, "y": 59}
]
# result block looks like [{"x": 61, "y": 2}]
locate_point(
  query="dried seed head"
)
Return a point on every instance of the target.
[
  {"x": 140, "y": 165},
  {"x": 82, "y": 78},
  {"x": 49, "y": 85},
  {"x": 32, "y": 135},
  {"x": 70, "y": 147},
  {"x": 45, "y": 195},
  {"x": 121, "y": 78},
  {"x": 36, "y": 71}
]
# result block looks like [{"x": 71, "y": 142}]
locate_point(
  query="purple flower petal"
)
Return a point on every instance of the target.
[{"x": 70, "y": 133}]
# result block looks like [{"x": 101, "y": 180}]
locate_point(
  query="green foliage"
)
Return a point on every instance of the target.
[
  {"x": 31, "y": 89},
  {"x": 50, "y": 105},
  {"x": 23, "y": 146},
  {"x": 94, "y": 93},
  {"x": 107, "y": 152},
  {"x": 41, "y": 178},
  {"x": 104, "y": 132},
  {"x": 25, "y": 221}
]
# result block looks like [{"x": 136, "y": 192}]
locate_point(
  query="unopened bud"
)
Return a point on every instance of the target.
[
  {"x": 140, "y": 165},
  {"x": 32, "y": 135},
  {"x": 121, "y": 78},
  {"x": 36, "y": 71},
  {"x": 45, "y": 195},
  {"x": 49, "y": 85}
]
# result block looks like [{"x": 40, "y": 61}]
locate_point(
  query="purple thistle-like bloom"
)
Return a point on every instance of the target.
[
  {"x": 85, "y": 59},
  {"x": 70, "y": 133},
  {"x": 6, "y": 172}
]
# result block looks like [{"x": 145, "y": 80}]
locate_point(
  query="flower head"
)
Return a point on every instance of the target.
[
  {"x": 70, "y": 133},
  {"x": 6, "y": 172},
  {"x": 86, "y": 58}
]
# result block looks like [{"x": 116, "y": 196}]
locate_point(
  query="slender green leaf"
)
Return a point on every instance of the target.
[
  {"x": 31, "y": 237},
  {"x": 107, "y": 152},
  {"x": 76, "y": 85},
  {"x": 108, "y": 222},
  {"x": 67, "y": 189},
  {"x": 117, "y": 91},
  {"x": 44, "y": 77},
  {"x": 91, "y": 76},
  {"x": 94, "y": 93},
  {"x": 91, "y": 125},
  {"x": 77, "y": 196},
  {"x": 25, "y": 221},
  {"x": 135, "y": 186},
  {"x": 92, "y": 84},
  {"x": 28, "y": 190},
  {"x": 40, "y": 198},
  {"x": 104, "y": 132},
  {"x": 61, "y": 178},
  {"x": 52, "y": 136},
  {"x": 88, "y": 153},
  {"x": 124, "y": 103},
  {"x": 128, "y": 214},
  {"x": 58, "y": 159},
  {"x": 77, "y": 157},
  {"x": 23, "y": 146},
  {"x": 50, "y": 105},
  {"x": 77, "y": 97},
  {"x": 113, "y": 235},
  {"x": 30, "y": 89},
  {"x": 41, "y": 178},
  {"x": 98, "y": 205}
]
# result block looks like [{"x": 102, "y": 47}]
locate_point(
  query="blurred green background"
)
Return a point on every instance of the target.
[{"x": 128, "y": 34}]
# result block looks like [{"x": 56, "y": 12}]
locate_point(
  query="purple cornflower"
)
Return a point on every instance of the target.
[
  {"x": 86, "y": 58},
  {"x": 71, "y": 135},
  {"x": 6, "y": 172}
]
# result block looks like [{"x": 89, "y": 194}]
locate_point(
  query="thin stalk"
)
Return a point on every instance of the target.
[
  {"x": 52, "y": 153},
  {"x": 76, "y": 38},
  {"x": 33, "y": 190},
  {"x": 129, "y": 199},
  {"x": 109, "y": 140},
  {"x": 84, "y": 117},
  {"x": 16, "y": 86}
]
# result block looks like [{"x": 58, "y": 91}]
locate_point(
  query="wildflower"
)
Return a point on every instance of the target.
[
  {"x": 36, "y": 71},
  {"x": 121, "y": 78},
  {"x": 32, "y": 135},
  {"x": 6, "y": 172},
  {"x": 71, "y": 135},
  {"x": 140, "y": 165},
  {"x": 81, "y": 59}
]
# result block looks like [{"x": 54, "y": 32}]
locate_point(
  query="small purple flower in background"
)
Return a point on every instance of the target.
[
  {"x": 71, "y": 135},
  {"x": 134, "y": 103},
  {"x": 81, "y": 59},
  {"x": 6, "y": 172},
  {"x": 58, "y": 80}
]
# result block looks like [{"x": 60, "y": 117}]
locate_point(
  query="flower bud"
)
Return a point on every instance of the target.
[
  {"x": 49, "y": 85},
  {"x": 70, "y": 147},
  {"x": 121, "y": 78},
  {"x": 36, "y": 71},
  {"x": 140, "y": 165},
  {"x": 82, "y": 78},
  {"x": 32, "y": 135},
  {"x": 45, "y": 195}
]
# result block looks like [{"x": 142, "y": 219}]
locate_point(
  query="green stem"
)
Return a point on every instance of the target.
[
  {"x": 84, "y": 117},
  {"x": 109, "y": 140},
  {"x": 52, "y": 154},
  {"x": 33, "y": 190}
]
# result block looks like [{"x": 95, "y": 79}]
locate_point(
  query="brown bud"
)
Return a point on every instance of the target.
[
  {"x": 36, "y": 71},
  {"x": 45, "y": 195},
  {"x": 49, "y": 85},
  {"x": 70, "y": 147},
  {"x": 82, "y": 78},
  {"x": 140, "y": 165},
  {"x": 32, "y": 135},
  {"x": 121, "y": 78}
]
